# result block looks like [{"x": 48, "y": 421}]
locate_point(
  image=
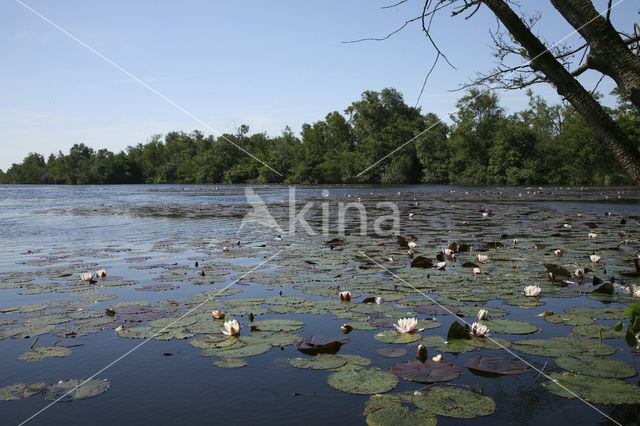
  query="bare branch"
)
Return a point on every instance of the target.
[
  {"x": 394, "y": 5},
  {"x": 388, "y": 35}
]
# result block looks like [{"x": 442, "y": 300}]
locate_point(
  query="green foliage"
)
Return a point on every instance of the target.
[
  {"x": 632, "y": 336},
  {"x": 541, "y": 145}
]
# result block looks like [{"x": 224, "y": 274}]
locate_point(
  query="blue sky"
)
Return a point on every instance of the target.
[{"x": 267, "y": 64}]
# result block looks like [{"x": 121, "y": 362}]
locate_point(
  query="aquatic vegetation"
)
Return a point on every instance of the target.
[
  {"x": 479, "y": 330},
  {"x": 231, "y": 328},
  {"x": 532, "y": 290},
  {"x": 217, "y": 314},
  {"x": 406, "y": 325}
]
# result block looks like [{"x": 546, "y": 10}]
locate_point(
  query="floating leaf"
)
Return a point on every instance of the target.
[
  {"x": 69, "y": 390},
  {"x": 593, "y": 389},
  {"x": 425, "y": 372},
  {"x": 278, "y": 325},
  {"x": 562, "y": 346},
  {"x": 20, "y": 390},
  {"x": 45, "y": 351},
  {"x": 595, "y": 330},
  {"x": 454, "y": 402},
  {"x": 321, "y": 362},
  {"x": 421, "y": 262},
  {"x": 491, "y": 365},
  {"x": 392, "y": 352},
  {"x": 230, "y": 363},
  {"x": 510, "y": 326},
  {"x": 387, "y": 410},
  {"x": 434, "y": 310},
  {"x": 392, "y": 336},
  {"x": 365, "y": 381},
  {"x": 598, "y": 367},
  {"x": 464, "y": 345},
  {"x": 314, "y": 345}
]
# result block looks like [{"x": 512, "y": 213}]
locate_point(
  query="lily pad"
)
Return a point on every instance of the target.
[
  {"x": 388, "y": 410},
  {"x": 455, "y": 402},
  {"x": 230, "y": 363},
  {"x": 245, "y": 351},
  {"x": 314, "y": 345},
  {"x": 597, "y": 367},
  {"x": 491, "y": 365},
  {"x": 594, "y": 330},
  {"x": 562, "y": 346},
  {"x": 278, "y": 325},
  {"x": 321, "y": 362},
  {"x": 510, "y": 326},
  {"x": 464, "y": 345},
  {"x": 593, "y": 389},
  {"x": 392, "y": 336},
  {"x": 364, "y": 382},
  {"x": 425, "y": 372},
  {"x": 20, "y": 390},
  {"x": 69, "y": 390},
  {"x": 392, "y": 352},
  {"x": 45, "y": 351}
]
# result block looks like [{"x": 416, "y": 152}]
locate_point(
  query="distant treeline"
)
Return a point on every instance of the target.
[{"x": 544, "y": 144}]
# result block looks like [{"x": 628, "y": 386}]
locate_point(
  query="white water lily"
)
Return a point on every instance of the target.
[
  {"x": 406, "y": 325},
  {"x": 532, "y": 290},
  {"x": 482, "y": 258},
  {"x": 558, "y": 253},
  {"x": 231, "y": 328},
  {"x": 87, "y": 276},
  {"x": 594, "y": 258},
  {"x": 437, "y": 358},
  {"x": 225, "y": 248},
  {"x": 592, "y": 235},
  {"x": 101, "y": 273},
  {"x": 410, "y": 216},
  {"x": 566, "y": 225},
  {"x": 515, "y": 241},
  {"x": 483, "y": 314},
  {"x": 477, "y": 271},
  {"x": 345, "y": 295},
  {"x": 411, "y": 245},
  {"x": 441, "y": 265},
  {"x": 479, "y": 330},
  {"x": 217, "y": 314}
]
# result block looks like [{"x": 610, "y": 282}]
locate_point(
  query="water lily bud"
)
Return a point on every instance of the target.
[
  {"x": 225, "y": 248},
  {"x": 411, "y": 245},
  {"x": 87, "y": 276},
  {"x": 545, "y": 314},
  {"x": 477, "y": 271},
  {"x": 515, "y": 241},
  {"x": 346, "y": 328},
  {"x": 594, "y": 258},
  {"x": 101, "y": 273},
  {"x": 558, "y": 253},
  {"x": 345, "y": 295},
  {"x": 421, "y": 353},
  {"x": 437, "y": 358},
  {"x": 483, "y": 314},
  {"x": 217, "y": 314}
]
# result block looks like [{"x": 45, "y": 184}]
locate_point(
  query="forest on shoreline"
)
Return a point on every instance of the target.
[{"x": 483, "y": 145}]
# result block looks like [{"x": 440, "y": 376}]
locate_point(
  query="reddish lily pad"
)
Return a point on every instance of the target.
[
  {"x": 492, "y": 365},
  {"x": 314, "y": 345}
]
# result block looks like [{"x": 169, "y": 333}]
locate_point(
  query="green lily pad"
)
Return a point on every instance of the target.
[
  {"x": 594, "y": 330},
  {"x": 20, "y": 390},
  {"x": 230, "y": 363},
  {"x": 388, "y": 410},
  {"x": 245, "y": 351},
  {"x": 455, "y": 402},
  {"x": 45, "y": 351},
  {"x": 425, "y": 372},
  {"x": 320, "y": 362},
  {"x": 597, "y": 367},
  {"x": 464, "y": 345},
  {"x": 510, "y": 326},
  {"x": 392, "y": 352},
  {"x": 392, "y": 336},
  {"x": 365, "y": 381},
  {"x": 283, "y": 338},
  {"x": 593, "y": 389},
  {"x": 69, "y": 390},
  {"x": 562, "y": 347},
  {"x": 278, "y": 325}
]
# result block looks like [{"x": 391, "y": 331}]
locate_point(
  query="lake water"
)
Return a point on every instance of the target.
[{"x": 149, "y": 238}]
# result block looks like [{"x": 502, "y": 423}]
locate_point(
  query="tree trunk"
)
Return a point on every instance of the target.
[
  {"x": 608, "y": 52},
  {"x": 567, "y": 86}
]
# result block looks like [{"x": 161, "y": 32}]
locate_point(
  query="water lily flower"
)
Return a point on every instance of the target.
[
  {"x": 345, "y": 295},
  {"x": 437, "y": 358},
  {"x": 579, "y": 273},
  {"x": 545, "y": 314},
  {"x": 483, "y": 314},
  {"x": 477, "y": 271},
  {"x": 482, "y": 258},
  {"x": 515, "y": 241},
  {"x": 410, "y": 216},
  {"x": 592, "y": 235},
  {"x": 479, "y": 330},
  {"x": 87, "y": 276},
  {"x": 391, "y": 260},
  {"x": 532, "y": 290},
  {"x": 558, "y": 253},
  {"x": 119, "y": 328},
  {"x": 231, "y": 328},
  {"x": 101, "y": 273},
  {"x": 217, "y": 314},
  {"x": 225, "y": 248},
  {"x": 566, "y": 225},
  {"x": 485, "y": 214},
  {"x": 441, "y": 265},
  {"x": 594, "y": 258},
  {"x": 421, "y": 353},
  {"x": 406, "y": 325},
  {"x": 411, "y": 245}
]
